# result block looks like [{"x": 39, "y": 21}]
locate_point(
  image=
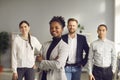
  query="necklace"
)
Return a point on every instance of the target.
[
  {"x": 26, "y": 40},
  {"x": 24, "y": 37}
]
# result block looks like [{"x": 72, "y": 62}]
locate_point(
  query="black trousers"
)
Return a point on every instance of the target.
[
  {"x": 102, "y": 73},
  {"x": 27, "y": 73}
]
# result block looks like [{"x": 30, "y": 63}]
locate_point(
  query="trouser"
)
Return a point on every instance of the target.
[
  {"x": 73, "y": 72},
  {"x": 102, "y": 73},
  {"x": 27, "y": 73},
  {"x": 118, "y": 64}
]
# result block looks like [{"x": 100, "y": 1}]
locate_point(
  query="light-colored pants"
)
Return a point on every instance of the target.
[{"x": 73, "y": 72}]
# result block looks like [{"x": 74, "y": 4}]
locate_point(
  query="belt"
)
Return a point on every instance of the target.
[
  {"x": 76, "y": 64},
  {"x": 101, "y": 68}
]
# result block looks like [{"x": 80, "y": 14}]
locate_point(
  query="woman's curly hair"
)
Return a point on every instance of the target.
[{"x": 58, "y": 19}]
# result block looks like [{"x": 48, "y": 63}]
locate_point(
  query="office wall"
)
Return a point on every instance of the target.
[
  {"x": 117, "y": 25},
  {"x": 90, "y": 13}
]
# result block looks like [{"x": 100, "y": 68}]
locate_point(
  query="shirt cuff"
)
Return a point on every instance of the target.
[
  {"x": 90, "y": 73},
  {"x": 14, "y": 71},
  {"x": 113, "y": 71}
]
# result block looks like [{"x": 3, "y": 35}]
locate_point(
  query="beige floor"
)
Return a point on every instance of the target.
[{"x": 8, "y": 76}]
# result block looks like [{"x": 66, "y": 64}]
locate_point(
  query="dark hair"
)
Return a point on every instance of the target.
[
  {"x": 102, "y": 25},
  {"x": 29, "y": 38},
  {"x": 72, "y": 19},
  {"x": 58, "y": 19},
  {"x": 24, "y": 21}
]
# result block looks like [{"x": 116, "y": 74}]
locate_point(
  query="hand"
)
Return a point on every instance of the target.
[
  {"x": 34, "y": 67},
  {"x": 91, "y": 77},
  {"x": 39, "y": 58},
  {"x": 56, "y": 58},
  {"x": 15, "y": 76},
  {"x": 82, "y": 66}
]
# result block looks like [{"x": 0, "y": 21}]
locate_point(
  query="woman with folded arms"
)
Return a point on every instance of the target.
[{"x": 54, "y": 53}]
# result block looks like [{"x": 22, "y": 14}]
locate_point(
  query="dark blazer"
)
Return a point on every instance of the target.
[{"x": 81, "y": 46}]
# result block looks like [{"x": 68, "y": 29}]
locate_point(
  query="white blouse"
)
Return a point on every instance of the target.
[{"x": 22, "y": 54}]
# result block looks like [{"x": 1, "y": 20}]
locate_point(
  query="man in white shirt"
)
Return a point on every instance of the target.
[
  {"x": 78, "y": 45},
  {"x": 102, "y": 57}
]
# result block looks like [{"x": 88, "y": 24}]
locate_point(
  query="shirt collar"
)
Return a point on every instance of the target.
[
  {"x": 72, "y": 38},
  {"x": 103, "y": 40}
]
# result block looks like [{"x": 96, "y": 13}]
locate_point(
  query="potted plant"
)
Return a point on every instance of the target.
[
  {"x": 4, "y": 44},
  {"x": 81, "y": 28}
]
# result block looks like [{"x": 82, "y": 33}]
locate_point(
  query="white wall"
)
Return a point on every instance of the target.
[
  {"x": 38, "y": 13},
  {"x": 117, "y": 25},
  {"x": 90, "y": 13}
]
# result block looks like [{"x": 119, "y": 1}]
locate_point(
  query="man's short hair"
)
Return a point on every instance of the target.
[{"x": 72, "y": 19}]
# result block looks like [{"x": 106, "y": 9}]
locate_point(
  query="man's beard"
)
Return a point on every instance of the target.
[{"x": 71, "y": 32}]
